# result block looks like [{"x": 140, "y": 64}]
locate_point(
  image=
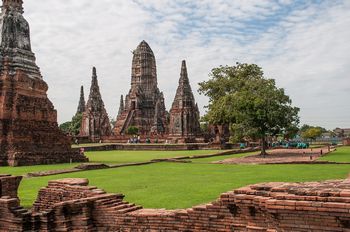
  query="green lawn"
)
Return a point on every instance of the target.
[
  {"x": 24, "y": 170},
  {"x": 91, "y": 145},
  {"x": 117, "y": 157},
  {"x": 174, "y": 185},
  {"x": 108, "y": 157},
  {"x": 342, "y": 155}
]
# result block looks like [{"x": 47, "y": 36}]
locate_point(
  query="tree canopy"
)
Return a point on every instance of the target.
[
  {"x": 251, "y": 104},
  {"x": 132, "y": 130},
  {"x": 312, "y": 133},
  {"x": 72, "y": 127}
]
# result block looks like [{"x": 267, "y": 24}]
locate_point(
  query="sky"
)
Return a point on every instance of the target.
[{"x": 303, "y": 44}]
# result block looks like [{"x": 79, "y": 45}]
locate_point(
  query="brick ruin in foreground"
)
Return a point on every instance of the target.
[
  {"x": 72, "y": 205},
  {"x": 29, "y": 133}
]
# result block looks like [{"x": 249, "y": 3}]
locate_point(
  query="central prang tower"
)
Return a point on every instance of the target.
[{"x": 144, "y": 106}]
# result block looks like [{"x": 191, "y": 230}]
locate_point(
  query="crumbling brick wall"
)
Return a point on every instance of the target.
[
  {"x": 71, "y": 205},
  {"x": 9, "y": 185}
]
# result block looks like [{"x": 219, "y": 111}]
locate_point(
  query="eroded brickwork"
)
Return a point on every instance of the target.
[
  {"x": 95, "y": 122},
  {"x": 72, "y": 205},
  {"x": 29, "y": 133},
  {"x": 144, "y": 105},
  {"x": 184, "y": 114},
  {"x": 81, "y": 105}
]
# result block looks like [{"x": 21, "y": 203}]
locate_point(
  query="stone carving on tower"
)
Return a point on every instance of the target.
[
  {"x": 95, "y": 122},
  {"x": 184, "y": 114},
  {"x": 29, "y": 134},
  {"x": 81, "y": 106},
  {"x": 144, "y": 104}
]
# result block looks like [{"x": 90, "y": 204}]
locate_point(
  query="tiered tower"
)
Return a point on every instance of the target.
[
  {"x": 121, "y": 106},
  {"x": 81, "y": 106},
  {"x": 184, "y": 114},
  {"x": 95, "y": 122},
  {"x": 29, "y": 134},
  {"x": 144, "y": 105}
]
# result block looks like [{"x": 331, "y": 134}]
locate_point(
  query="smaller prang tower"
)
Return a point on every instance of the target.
[
  {"x": 144, "y": 106},
  {"x": 95, "y": 122},
  {"x": 184, "y": 113},
  {"x": 81, "y": 105}
]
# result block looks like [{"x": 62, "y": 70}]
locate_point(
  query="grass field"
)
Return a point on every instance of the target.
[
  {"x": 116, "y": 157},
  {"x": 342, "y": 155},
  {"x": 173, "y": 185},
  {"x": 108, "y": 157},
  {"x": 179, "y": 185}
]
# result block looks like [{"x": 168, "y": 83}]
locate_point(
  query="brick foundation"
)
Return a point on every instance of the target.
[{"x": 72, "y": 205}]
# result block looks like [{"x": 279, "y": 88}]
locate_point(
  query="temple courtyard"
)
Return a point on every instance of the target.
[{"x": 173, "y": 185}]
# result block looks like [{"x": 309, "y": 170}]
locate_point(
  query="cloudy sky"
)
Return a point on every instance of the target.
[{"x": 303, "y": 44}]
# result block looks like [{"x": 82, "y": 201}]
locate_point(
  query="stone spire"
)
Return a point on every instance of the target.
[
  {"x": 184, "y": 75},
  {"x": 15, "y": 40},
  {"x": 184, "y": 114},
  {"x": 95, "y": 122},
  {"x": 29, "y": 134},
  {"x": 81, "y": 106},
  {"x": 141, "y": 101},
  {"x": 121, "y": 105},
  {"x": 13, "y": 5}
]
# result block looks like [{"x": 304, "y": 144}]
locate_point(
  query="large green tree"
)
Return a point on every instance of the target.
[{"x": 251, "y": 104}]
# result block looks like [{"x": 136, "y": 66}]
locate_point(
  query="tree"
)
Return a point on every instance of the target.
[
  {"x": 312, "y": 133},
  {"x": 252, "y": 105},
  {"x": 65, "y": 126},
  {"x": 291, "y": 131},
  {"x": 305, "y": 127},
  {"x": 72, "y": 127},
  {"x": 132, "y": 130},
  {"x": 76, "y": 124}
]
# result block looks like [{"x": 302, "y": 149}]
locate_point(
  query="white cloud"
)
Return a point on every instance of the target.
[{"x": 304, "y": 47}]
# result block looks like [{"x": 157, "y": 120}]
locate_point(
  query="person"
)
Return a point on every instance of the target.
[
  {"x": 82, "y": 150},
  {"x": 76, "y": 141},
  {"x": 138, "y": 139}
]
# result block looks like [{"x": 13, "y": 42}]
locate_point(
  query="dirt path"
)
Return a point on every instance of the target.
[{"x": 281, "y": 156}]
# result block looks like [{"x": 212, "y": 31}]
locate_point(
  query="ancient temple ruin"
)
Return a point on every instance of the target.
[
  {"x": 184, "y": 114},
  {"x": 29, "y": 133},
  {"x": 121, "y": 106},
  {"x": 81, "y": 105},
  {"x": 144, "y": 105},
  {"x": 95, "y": 121}
]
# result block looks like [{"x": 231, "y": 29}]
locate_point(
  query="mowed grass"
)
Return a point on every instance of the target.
[
  {"x": 108, "y": 157},
  {"x": 18, "y": 171},
  {"x": 117, "y": 157},
  {"x": 342, "y": 155},
  {"x": 175, "y": 185}
]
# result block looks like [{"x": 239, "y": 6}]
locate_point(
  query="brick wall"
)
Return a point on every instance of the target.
[{"x": 72, "y": 205}]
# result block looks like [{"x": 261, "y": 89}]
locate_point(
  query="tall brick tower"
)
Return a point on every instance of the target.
[
  {"x": 95, "y": 123},
  {"x": 29, "y": 133},
  {"x": 144, "y": 105},
  {"x": 81, "y": 106},
  {"x": 184, "y": 113}
]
